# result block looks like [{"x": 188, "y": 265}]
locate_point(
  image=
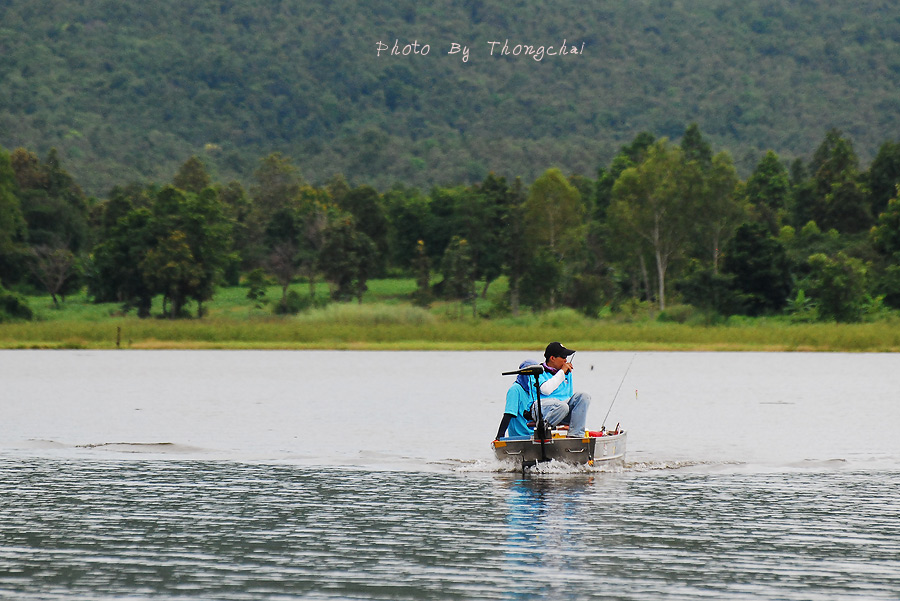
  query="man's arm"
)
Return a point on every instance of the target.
[
  {"x": 553, "y": 383},
  {"x": 504, "y": 424}
]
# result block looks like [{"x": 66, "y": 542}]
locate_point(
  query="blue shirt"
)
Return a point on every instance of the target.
[
  {"x": 563, "y": 392},
  {"x": 518, "y": 401}
]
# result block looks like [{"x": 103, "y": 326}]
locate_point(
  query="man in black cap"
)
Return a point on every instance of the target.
[{"x": 559, "y": 403}]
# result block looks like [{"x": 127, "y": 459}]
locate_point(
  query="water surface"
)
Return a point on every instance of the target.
[{"x": 368, "y": 475}]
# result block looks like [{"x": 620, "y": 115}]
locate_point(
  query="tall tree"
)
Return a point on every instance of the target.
[
  {"x": 347, "y": 259},
  {"x": 883, "y": 176},
  {"x": 695, "y": 147},
  {"x": 459, "y": 272},
  {"x": 628, "y": 156},
  {"x": 283, "y": 264},
  {"x": 886, "y": 233},
  {"x": 447, "y": 206},
  {"x": 767, "y": 191},
  {"x": 236, "y": 207},
  {"x": 12, "y": 223},
  {"x": 555, "y": 221},
  {"x": 171, "y": 269},
  {"x": 553, "y": 212},
  {"x": 839, "y": 201},
  {"x": 885, "y": 238},
  {"x": 53, "y": 205},
  {"x": 486, "y": 220},
  {"x": 367, "y": 208},
  {"x": 277, "y": 183},
  {"x": 720, "y": 211},
  {"x": 209, "y": 237},
  {"x": 192, "y": 176},
  {"x": 315, "y": 211},
  {"x": 838, "y": 285},
  {"x": 515, "y": 244},
  {"x": 422, "y": 269},
  {"x": 656, "y": 201},
  {"x": 56, "y": 269},
  {"x": 761, "y": 270},
  {"x": 410, "y": 221},
  {"x": 125, "y": 240}
]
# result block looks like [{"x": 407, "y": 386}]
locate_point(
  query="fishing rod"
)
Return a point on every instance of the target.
[{"x": 603, "y": 425}]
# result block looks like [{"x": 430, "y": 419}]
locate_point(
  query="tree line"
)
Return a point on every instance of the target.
[{"x": 665, "y": 224}]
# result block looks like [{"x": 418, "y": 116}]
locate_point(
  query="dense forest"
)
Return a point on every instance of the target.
[
  {"x": 126, "y": 92},
  {"x": 665, "y": 222}
]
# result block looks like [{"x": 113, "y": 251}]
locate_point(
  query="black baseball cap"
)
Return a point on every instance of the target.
[{"x": 556, "y": 349}]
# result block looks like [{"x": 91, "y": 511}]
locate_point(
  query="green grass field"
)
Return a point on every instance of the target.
[{"x": 387, "y": 320}]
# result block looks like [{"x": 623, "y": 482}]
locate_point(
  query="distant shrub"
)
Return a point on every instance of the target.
[
  {"x": 13, "y": 306},
  {"x": 363, "y": 315},
  {"x": 679, "y": 314},
  {"x": 560, "y": 318},
  {"x": 293, "y": 303}
]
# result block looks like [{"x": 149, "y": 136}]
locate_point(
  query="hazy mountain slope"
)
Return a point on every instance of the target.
[{"x": 130, "y": 90}]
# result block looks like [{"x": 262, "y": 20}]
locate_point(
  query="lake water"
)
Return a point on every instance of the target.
[{"x": 369, "y": 475}]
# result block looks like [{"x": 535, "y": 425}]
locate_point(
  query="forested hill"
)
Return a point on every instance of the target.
[{"x": 129, "y": 90}]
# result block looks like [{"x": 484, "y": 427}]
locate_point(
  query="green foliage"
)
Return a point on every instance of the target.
[
  {"x": 710, "y": 291},
  {"x": 839, "y": 201},
  {"x": 722, "y": 211},
  {"x": 760, "y": 271},
  {"x": 801, "y": 308},
  {"x": 767, "y": 191},
  {"x": 57, "y": 269},
  {"x": 694, "y": 147},
  {"x": 292, "y": 303},
  {"x": 886, "y": 233},
  {"x": 369, "y": 214},
  {"x": 178, "y": 247},
  {"x": 125, "y": 239},
  {"x": 12, "y": 223},
  {"x": 540, "y": 280},
  {"x": 13, "y": 307},
  {"x": 422, "y": 267},
  {"x": 682, "y": 314},
  {"x": 347, "y": 259},
  {"x": 411, "y": 220},
  {"x": 256, "y": 287},
  {"x": 171, "y": 269},
  {"x": 53, "y": 205},
  {"x": 554, "y": 213},
  {"x": 672, "y": 208},
  {"x": 887, "y": 285},
  {"x": 458, "y": 271},
  {"x": 656, "y": 201},
  {"x": 192, "y": 176},
  {"x": 384, "y": 321},
  {"x": 129, "y": 92},
  {"x": 838, "y": 286},
  {"x": 883, "y": 176}
]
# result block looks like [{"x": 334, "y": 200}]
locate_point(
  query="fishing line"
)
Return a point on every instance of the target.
[{"x": 603, "y": 425}]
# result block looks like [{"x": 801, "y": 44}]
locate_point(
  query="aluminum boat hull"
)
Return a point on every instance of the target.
[{"x": 590, "y": 450}]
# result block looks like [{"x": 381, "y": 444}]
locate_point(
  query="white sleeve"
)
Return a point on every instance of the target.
[{"x": 553, "y": 383}]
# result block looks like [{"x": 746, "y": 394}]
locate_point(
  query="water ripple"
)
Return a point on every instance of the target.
[{"x": 98, "y": 530}]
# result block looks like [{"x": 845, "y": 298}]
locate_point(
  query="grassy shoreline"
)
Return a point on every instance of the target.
[
  {"x": 673, "y": 337},
  {"x": 385, "y": 321}
]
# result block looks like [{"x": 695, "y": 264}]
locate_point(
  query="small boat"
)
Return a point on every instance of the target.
[
  {"x": 595, "y": 448},
  {"x": 553, "y": 444}
]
